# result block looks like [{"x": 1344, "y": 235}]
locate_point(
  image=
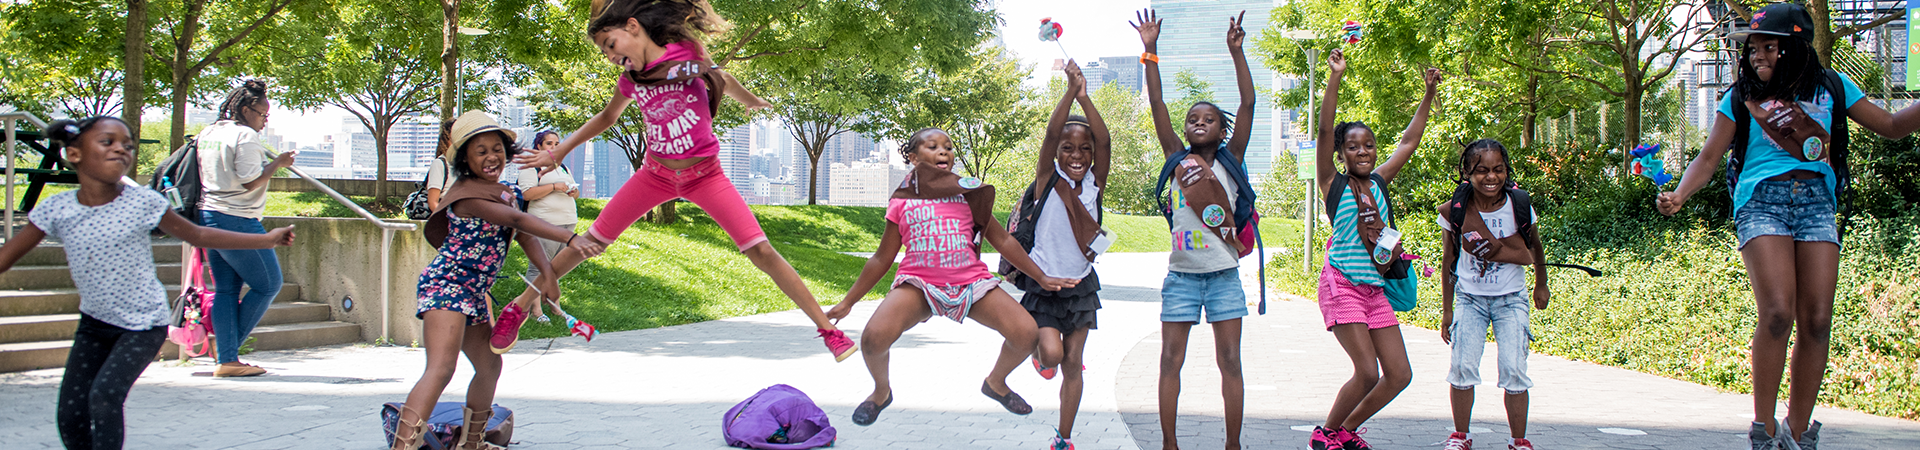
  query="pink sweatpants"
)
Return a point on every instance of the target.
[{"x": 704, "y": 184}]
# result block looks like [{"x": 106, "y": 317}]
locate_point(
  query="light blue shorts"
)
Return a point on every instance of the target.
[
  {"x": 1507, "y": 315},
  {"x": 1798, "y": 208},
  {"x": 1183, "y": 296}
]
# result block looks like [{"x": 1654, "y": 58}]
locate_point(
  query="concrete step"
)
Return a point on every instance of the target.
[
  {"x": 290, "y": 336},
  {"x": 53, "y": 327},
  {"x": 53, "y": 254},
  {"x": 67, "y": 300},
  {"x": 55, "y": 277},
  {"x": 33, "y": 355}
]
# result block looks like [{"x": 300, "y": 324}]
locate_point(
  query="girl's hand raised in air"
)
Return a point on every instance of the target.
[
  {"x": 1337, "y": 61},
  {"x": 1434, "y": 77},
  {"x": 1148, "y": 24},
  {"x": 1076, "y": 81},
  {"x": 1236, "y": 35}
]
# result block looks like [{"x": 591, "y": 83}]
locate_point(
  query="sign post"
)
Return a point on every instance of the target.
[{"x": 1913, "y": 45}]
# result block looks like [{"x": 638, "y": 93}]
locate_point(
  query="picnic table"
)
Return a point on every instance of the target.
[{"x": 53, "y": 167}]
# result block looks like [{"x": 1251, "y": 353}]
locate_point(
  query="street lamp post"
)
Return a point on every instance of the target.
[
  {"x": 1307, "y": 220},
  {"x": 459, "y": 88}
]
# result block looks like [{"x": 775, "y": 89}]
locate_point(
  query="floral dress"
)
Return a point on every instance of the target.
[{"x": 460, "y": 276}]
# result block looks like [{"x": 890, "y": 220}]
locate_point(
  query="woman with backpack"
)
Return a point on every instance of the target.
[
  {"x": 234, "y": 171},
  {"x": 1784, "y": 179}
]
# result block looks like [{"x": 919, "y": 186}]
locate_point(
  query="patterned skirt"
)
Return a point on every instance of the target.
[{"x": 951, "y": 301}]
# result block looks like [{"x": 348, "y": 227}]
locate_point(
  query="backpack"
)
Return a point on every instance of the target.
[
  {"x": 778, "y": 417},
  {"x": 178, "y": 178},
  {"x": 416, "y": 204},
  {"x": 1244, "y": 215},
  {"x": 443, "y": 426},
  {"x": 191, "y": 320},
  {"x": 1403, "y": 291},
  {"x": 1026, "y": 216},
  {"x": 1836, "y": 130}
]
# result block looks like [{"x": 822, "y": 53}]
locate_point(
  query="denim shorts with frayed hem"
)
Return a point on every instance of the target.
[
  {"x": 1183, "y": 296},
  {"x": 1800, "y": 208}
]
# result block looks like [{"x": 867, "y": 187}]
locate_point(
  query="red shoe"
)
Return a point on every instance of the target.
[
  {"x": 838, "y": 344},
  {"x": 1045, "y": 372},
  {"x": 1457, "y": 441},
  {"x": 506, "y": 331},
  {"x": 1522, "y": 444}
]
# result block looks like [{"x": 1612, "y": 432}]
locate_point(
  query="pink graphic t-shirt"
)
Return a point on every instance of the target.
[
  {"x": 937, "y": 238},
  {"x": 679, "y": 126}
]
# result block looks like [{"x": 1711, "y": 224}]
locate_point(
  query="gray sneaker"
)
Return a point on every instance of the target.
[
  {"x": 1810, "y": 439},
  {"x": 1762, "y": 441}
]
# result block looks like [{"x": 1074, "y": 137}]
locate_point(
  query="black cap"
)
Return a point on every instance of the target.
[{"x": 1779, "y": 19}]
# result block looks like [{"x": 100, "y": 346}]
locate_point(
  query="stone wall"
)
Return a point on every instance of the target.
[{"x": 334, "y": 259}]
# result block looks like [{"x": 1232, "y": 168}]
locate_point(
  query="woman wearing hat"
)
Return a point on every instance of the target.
[
  {"x": 1784, "y": 185},
  {"x": 472, "y": 229}
]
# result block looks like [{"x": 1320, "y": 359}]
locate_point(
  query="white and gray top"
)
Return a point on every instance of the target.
[
  {"x": 1055, "y": 249},
  {"x": 1214, "y": 255},
  {"x": 231, "y": 156},
  {"x": 110, "y": 254}
]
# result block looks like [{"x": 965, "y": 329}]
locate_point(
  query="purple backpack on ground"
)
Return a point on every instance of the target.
[{"x": 778, "y": 417}]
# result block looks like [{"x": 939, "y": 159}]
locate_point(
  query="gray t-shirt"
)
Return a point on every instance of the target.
[
  {"x": 110, "y": 254},
  {"x": 231, "y": 156},
  {"x": 1055, "y": 249},
  {"x": 1195, "y": 248}
]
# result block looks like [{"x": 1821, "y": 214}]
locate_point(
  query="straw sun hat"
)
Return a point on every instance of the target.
[{"x": 473, "y": 123}]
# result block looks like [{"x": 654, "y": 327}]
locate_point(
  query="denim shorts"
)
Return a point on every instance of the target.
[
  {"x": 1507, "y": 315},
  {"x": 1184, "y": 295},
  {"x": 1801, "y": 208}
]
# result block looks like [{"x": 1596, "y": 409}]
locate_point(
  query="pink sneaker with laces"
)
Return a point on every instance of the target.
[
  {"x": 506, "y": 330},
  {"x": 1322, "y": 439},
  {"x": 1457, "y": 441},
  {"x": 1520, "y": 444},
  {"x": 1350, "y": 440},
  {"x": 838, "y": 344},
  {"x": 1045, "y": 372}
]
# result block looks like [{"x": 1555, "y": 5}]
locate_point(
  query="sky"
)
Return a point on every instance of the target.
[{"x": 1093, "y": 29}]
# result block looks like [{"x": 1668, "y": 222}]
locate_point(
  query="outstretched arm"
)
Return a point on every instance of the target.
[
  {"x": 1323, "y": 135},
  {"x": 595, "y": 125},
  {"x": 1102, "y": 141},
  {"x": 1148, "y": 24},
  {"x": 207, "y": 237},
  {"x": 1540, "y": 292},
  {"x": 739, "y": 93},
  {"x": 1700, "y": 170},
  {"x": 1243, "y": 120},
  {"x": 23, "y": 241},
  {"x": 1010, "y": 250},
  {"x": 1050, "y": 145},
  {"x": 1410, "y": 140},
  {"x": 526, "y": 224},
  {"x": 870, "y": 274}
]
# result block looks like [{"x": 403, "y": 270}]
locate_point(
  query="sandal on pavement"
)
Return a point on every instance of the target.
[
  {"x": 473, "y": 430},
  {"x": 867, "y": 412},
  {"x": 1011, "y": 401},
  {"x": 403, "y": 442}
]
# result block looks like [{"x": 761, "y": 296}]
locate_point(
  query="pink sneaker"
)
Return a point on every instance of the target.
[
  {"x": 838, "y": 344},
  {"x": 1457, "y": 441},
  {"x": 1520, "y": 444},
  {"x": 1350, "y": 439},
  {"x": 506, "y": 331},
  {"x": 1323, "y": 439},
  {"x": 1045, "y": 372}
]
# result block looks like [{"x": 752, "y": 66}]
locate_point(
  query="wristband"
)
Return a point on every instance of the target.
[
  {"x": 570, "y": 239},
  {"x": 1149, "y": 57}
]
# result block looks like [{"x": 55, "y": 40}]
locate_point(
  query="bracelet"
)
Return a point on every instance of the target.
[
  {"x": 570, "y": 239},
  {"x": 1149, "y": 57}
]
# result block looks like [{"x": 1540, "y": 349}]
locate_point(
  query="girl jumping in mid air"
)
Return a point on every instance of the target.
[
  {"x": 1353, "y": 298},
  {"x": 671, "y": 78},
  {"x": 104, "y": 226},
  {"x": 477, "y": 222},
  {"x": 936, "y": 214}
]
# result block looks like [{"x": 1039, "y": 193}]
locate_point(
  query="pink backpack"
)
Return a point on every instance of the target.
[{"x": 192, "y": 313}]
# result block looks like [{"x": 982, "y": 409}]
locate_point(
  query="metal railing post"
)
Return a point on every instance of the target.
[
  {"x": 10, "y": 144},
  {"x": 386, "y": 282}
]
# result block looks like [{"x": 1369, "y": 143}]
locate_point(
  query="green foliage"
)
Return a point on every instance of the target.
[
  {"x": 984, "y": 108},
  {"x": 1191, "y": 88},
  {"x": 52, "y": 67},
  {"x": 1884, "y": 185}
]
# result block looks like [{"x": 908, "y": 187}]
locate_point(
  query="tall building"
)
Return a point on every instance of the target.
[
  {"x": 412, "y": 142},
  {"x": 318, "y": 156},
  {"x": 865, "y": 183},
  {"x": 1098, "y": 75},
  {"x": 736, "y": 156},
  {"x": 607, "y": 166},
  {"x": 1203, "y": 50},
  {"x": 1126, "y": 72}
]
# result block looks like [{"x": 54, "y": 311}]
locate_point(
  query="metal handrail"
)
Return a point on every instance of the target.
[{"x": 8, "y": 119}]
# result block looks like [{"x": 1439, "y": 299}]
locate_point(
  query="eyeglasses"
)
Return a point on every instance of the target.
[{"x": 261, "y": 112}]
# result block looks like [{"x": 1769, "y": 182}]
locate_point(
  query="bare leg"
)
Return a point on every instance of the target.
[
  {"x": 562, "y": 263},
  {"x": 486, "y": 367},
  {"x": 1395, "y": 373},
  {"x": 900, "y": 311},
  {"x": 1818, "y": 269},
  {"x": 1770, "y": 266},
  {"x": 999, "y": 312},
  {"x": 1462, "y": 400},
  {"x": 1226, "y": 345},
  {"x": 1517, "y": 414},
  {"x": 769, "y": 261},
  {"x": 1358, "y": 343},
  {"x": 1072, "y": 384},
  {"x": 1051, "y": 349},
  {"x": 1173, "y": 355},
  {"x": 444, "y": 332}
]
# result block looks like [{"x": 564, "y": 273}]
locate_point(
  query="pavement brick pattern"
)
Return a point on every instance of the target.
[{"x": 668, "y": 387}]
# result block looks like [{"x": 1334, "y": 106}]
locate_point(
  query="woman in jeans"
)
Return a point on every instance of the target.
[{"x": 234, "y": 171}]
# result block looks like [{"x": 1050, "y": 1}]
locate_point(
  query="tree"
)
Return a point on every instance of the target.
[
  {"x": 369, "y": 57},
  {"x": 1192, "y": 89},
  {"x": 983, "y": 107},
  {"x": 227, "y": 24},
  {"x": 52, "y": 70},
  {"x": 818, "y": 106},
  {"x": 1638, "y": 43}
]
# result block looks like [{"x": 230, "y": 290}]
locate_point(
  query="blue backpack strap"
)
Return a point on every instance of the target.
[
  {"x": 1160, "y": 187},
  {"x": 1737, "y": 156}
]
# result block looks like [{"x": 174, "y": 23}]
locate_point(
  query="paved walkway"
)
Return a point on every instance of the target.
[{"x": 668, "y": 387}]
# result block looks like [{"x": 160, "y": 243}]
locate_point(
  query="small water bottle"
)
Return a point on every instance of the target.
[{"x": 172, "y": 193}]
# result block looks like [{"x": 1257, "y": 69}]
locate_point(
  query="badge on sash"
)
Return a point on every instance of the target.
[
  {"x": 1213, "y": 216},
  {"x": 970, "y": 182}
]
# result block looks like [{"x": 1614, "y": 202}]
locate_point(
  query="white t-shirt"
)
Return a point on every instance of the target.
[
  {"x": 439, "y": 175},
  {"x": 231, "y": 156},
  {"x": 110, "y": 254},
  {"x": 1055, "y": 248},
  {"x": 555, "y": 208},
  {"x": 1212, "y": 255},
  {"x": 1479, "y": 277}
]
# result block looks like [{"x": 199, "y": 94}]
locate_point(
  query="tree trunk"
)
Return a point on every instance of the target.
[
  {"x": 134, "y": 90},
  {"x": 382, "y": 126},
  {"x": 1822, "y": 31},
  {"x": 1530, "y": 124},
  {"x": 1630, "y": 120},
  {"x": 182, "y": 78},
  {"x": 813, "y": 178},
  {"x": 449, "y": 59}
]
